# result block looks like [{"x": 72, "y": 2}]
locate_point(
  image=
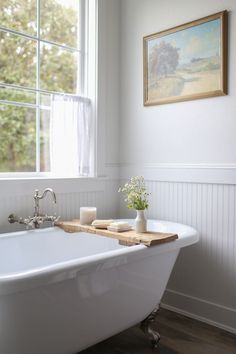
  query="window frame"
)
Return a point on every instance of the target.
[{"x": 82, "y": 85}]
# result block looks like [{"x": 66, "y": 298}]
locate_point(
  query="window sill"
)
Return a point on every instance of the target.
[{"x": 18, "y": 177}]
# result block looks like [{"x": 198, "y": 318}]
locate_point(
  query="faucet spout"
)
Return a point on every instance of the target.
[
  {"x": 49, "y": 190},
  {"x": 37, "y": 197}
]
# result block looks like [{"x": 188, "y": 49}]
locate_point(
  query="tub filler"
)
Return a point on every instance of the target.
[{"x": 61, "y": 293}]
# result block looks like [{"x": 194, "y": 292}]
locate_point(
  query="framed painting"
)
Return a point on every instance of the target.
[{"x": 186, "y": 62}]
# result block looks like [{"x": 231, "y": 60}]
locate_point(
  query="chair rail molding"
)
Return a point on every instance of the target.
[{"x": 182, "y": 172}]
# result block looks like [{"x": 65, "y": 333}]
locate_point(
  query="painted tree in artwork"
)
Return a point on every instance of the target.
[{"x": 163, "y": 59}]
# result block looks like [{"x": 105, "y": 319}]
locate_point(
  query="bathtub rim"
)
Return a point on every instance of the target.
[{"x": 23, "y": 280}]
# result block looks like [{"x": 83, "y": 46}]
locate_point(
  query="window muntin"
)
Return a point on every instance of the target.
[
  {"x": 35, "y": 63},
  {"x": 17, "y": 95}
]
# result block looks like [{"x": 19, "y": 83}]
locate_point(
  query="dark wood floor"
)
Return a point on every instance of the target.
[{"x": 179, "y": 335}]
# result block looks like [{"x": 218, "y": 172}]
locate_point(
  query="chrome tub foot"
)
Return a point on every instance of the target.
[{"x": 146, "y": 327}]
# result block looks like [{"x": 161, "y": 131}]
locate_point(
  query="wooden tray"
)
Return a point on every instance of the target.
[{"x": 127, "y": 238}]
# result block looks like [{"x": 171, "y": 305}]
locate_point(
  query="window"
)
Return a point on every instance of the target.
[{"x": 42, "y": 54}]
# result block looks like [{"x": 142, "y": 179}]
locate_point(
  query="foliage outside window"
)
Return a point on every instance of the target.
[{"x": 41, "y": 51}]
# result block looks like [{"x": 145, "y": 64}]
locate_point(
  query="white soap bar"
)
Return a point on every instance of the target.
[
  {"x": 102, "y": 224},
  {"x": 120, "y": 224}
]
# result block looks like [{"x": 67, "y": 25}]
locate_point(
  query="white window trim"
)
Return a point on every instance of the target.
[{"x": 88, "y": 83}]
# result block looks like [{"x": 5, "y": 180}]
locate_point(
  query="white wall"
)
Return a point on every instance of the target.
[
  {"x": 187, "y": 153},
  {"x": 201, "y": 131}
]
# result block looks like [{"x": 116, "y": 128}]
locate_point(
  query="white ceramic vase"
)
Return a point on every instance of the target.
[{"x": 140, "y": 223}]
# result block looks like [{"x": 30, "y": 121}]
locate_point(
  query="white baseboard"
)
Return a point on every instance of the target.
[{"x": 205, "y": 311}]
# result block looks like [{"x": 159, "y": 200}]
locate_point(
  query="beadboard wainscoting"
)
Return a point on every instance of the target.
[
  {"x": 187, "y": 153},
  {"x": 17, "y": 198},
  {"x": 203, "y": 282}
]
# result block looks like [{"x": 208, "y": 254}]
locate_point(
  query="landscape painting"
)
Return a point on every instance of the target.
[{"x": 186, "y": 62}]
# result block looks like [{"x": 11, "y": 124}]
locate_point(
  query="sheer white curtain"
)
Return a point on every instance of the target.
[{"x": 71, "y": 136}]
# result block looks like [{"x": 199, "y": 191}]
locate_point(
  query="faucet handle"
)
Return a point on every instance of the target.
[
  {"x": 36, "y": 194},
  {"x": 55, "y": 220},
  {"x": 12, "y": 218},
  {"x": 30, "y": 223}
]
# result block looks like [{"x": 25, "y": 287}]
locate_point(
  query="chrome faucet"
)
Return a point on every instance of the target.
[
  {"x": 37, "y": 197},
  {"x": 38, "y": 219}
]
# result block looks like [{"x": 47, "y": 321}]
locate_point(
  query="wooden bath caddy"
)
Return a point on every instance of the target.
[{"x": 127, "y": 238}]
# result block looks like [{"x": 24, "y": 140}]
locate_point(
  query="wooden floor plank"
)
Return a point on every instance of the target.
[{"x": 179, "y": 335}]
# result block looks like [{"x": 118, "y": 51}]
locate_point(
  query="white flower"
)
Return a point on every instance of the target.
[{"x": 136, "y": 195}]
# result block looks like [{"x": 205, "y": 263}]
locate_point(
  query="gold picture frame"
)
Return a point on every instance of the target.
[{"x": 186, "y": 62}]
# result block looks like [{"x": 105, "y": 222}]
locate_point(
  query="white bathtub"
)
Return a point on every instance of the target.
[{"x": 60, "y": 293}]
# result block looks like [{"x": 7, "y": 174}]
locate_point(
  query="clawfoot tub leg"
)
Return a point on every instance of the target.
[{"x": 146, "y": 327}]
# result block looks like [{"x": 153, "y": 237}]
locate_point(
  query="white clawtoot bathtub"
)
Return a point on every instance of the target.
[{"x": 61, "y": 293}]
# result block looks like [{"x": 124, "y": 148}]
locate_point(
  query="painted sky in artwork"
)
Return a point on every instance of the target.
[{"x": 201, "y": 41}]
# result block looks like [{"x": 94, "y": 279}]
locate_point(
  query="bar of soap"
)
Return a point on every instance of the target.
[
  {"x": 102, "y": 224},
  {"x": 119, "y": 226}
]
